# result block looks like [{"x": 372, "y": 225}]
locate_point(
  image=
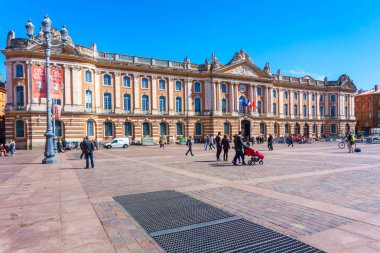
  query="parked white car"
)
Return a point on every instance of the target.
[{"x": 117, "y": 143}]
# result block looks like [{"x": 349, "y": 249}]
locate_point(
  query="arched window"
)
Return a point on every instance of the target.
[
  {"x": 304, "y": 111},
  {"x": 274, "y": 107},
  {"x": 146, "y": 129},
  {"x": 285, "y": 94},
  {"x": 286, "y": 128},
  {"x": 145, "y": 83},
  {"x": 128, "y": 129},
  {"x": 127, "y": 102},
  {"x": 224, "y": 105},
  {"x": 322, "y": 128},
  {"x": 275, "y": 128},
  {"x": 20, "y": 95},
  {"x": 178, "y": 104},
  {"x": 107, "y": 101},
  {"x": 161, "y": 84},
  {"x": 162, "y": 104},
  {"x": 20, "y": 129},
  {"x": 223, "y": 88},
  {"x": 295, "y": 110},
  {"x": 304, "y": 96},
  {"x": 19, "y": 70},
  {"x": 286, "y": 111},
  {"x": 274, "y": 93},
  {"x": 321, "y": 111},
  {"x": 126, "y": 81},
  {"x": 259, "y": 91},
  {"x": 333, "y": 129},
  {"x": 58, "y": 128},
  {"x": 198, "y": 129},
  {"x": 197, "y": 105},
  {"x": 321, "y": 98},
  {"x": 163, "y": 128},
  {"x": 106, "y": 79},
  {"x": 333, "y": 111},
  {"x": 241, "y": 101},
  {"x": 262, "y": 128},
  {"x": 314, "y": 128},
  {"x": 179, "y": 128},
  {"x": 178, "y": 85},
  {"x": 345, "y": 112},
  {"x": 295, "y": 95},
  {"x": 88, "y": 76},
  {"x": 145, "y": 103},
  {"x": 333, "y": 98},
  {"x": 259, "y": 110},
  {"x": 197, "y": 87},
  {"x": 88, "y": 99},
  {"x": 108, "y": 129},
  {"x": 312, "y": 97},
  {"x": 313, "y": 111},
  {"x": 90, "y": 128},
  {"x": 226, "y": 128}
]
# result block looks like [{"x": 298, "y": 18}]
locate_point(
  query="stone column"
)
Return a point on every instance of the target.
[
  {"x": 207, "y": 98},
  {"x": 213, "y": 98},
  {"x": 136, "y": 95},
  {"x": 67, "y": 87},
  {"x": 219, "y": 99},
  {"x": 256, "y": 112},
  {"x": 280, "y": 106},
  {"x": 352, "y": 107},
  {"x": 291, "y": 104},
  {"x": 236, "y": 87},
  {"x": 250, "y": 97},
  {"x": 154, "y": 95},
  {"x": 77, "y": 88},
  {"x": 29, "y": 84},
  {"x": 97, "y": 95},
  {"x": 309, "y": 105},
  {"x": 317, "y": 97},
  {"x": 189, "y": 97},
  {"x": 231, "y": 101},
  {"x": 270, "y": 101},
  {"x": 118, "y": 105},
  {"x": 9, "y": 84},
  {"x": 326, "y": 106},
  {"x": 266, "y": 102},
  {"x": 171, "y": 96}
]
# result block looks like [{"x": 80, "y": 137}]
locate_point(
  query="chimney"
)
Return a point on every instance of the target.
[{"x": 376, "y": 87}]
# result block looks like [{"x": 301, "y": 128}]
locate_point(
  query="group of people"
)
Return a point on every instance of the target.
[
  {"x": 88, "y": 146},
  {"x": 8, "y": 148},
  {"x": 209, "y": 142}
]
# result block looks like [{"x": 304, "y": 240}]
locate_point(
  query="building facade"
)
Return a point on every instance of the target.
[
  {"x": 3, "y": 100},
  {"x": 367, "y": 111},
  {"x": 107, "y": 95}
]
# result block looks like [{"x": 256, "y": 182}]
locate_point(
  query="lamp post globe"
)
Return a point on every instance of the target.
[
  {"x": 64, "y": 34},
  {"x": 46, "y": 24},
  {"x": 29, "y": 28}
]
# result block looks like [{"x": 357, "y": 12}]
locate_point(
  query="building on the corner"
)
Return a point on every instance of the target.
[
  {"x": 3, "y": 100},
  {"x": 367, "y": 111},
  {"x": 105, "y": 95}
]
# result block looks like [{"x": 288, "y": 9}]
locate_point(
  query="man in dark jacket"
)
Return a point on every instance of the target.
[
  {"x": 270, "y": 142},
  {"x": 218, "y": 141},
  {"x": 88, "y": 148},
  {"x": 239, "y": 149},
  {"x": 81, "y": 147},
  {"x": 189, "y": 143}
]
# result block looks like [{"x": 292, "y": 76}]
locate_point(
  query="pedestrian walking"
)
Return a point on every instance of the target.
[
  {"x": 350, "y": 143},
  {"x": 239, "y": 149},
  {"x": 96, "y": 146},
  {"x": 162, "y": 143},
  {"x": 212, "y": 143},
  {"x": 3, "y": 151},
  {"x": 291, "y": 140},
  {"x": 218, "y": 142},
  {"x": 81, "y": 147},
  {"x": 226, "y": 146},
  {"x": 270, "y": 142},
  {"x": 206, "y": 142},
  {"x": 12, "y": 148},
  {"x": 189, "y": 144},
  {"x": 88, "y": 147}
]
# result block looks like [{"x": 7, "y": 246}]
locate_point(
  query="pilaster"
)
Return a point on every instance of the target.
[
  {"x": 136, "y": 95},
  {"x": 118, "y": 107},
  {"x": 154, "y": 95},
  {"x": 171, "y": 96}
]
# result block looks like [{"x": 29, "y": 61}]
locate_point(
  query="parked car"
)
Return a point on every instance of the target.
[{"x": 117, "y": 143}]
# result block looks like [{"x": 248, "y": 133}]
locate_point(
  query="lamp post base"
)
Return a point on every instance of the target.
[{"x": 49, "y": 160}]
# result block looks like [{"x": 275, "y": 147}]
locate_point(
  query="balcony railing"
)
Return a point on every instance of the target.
[
  {"x": 19, "y": 108},
  {"x": 108, "y": 111}
]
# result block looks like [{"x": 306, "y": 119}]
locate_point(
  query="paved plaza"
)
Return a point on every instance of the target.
[{"x": 316, "y": 193}]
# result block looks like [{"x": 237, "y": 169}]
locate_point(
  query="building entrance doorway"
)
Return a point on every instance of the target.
[{"x": 246, "y": 128}]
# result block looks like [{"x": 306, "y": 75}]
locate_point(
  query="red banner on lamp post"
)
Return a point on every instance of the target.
[{"x": 39, "y": 82}]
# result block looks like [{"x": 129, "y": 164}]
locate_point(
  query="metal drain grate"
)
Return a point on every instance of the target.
[{"x": 180, "y": 224}]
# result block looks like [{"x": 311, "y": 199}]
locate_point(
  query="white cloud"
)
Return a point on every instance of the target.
[{"x": 299, "y": 72}]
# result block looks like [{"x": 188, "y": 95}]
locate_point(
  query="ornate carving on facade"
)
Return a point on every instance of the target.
[
  {"x": 215, "y": 62},
  {"x": 240, "y": 56},
  {"x": 243, "y": 70},
  {"x": 267, "y": 69},
  {"x": 10, "y": 36}
]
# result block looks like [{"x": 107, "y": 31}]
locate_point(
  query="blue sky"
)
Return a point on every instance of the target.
[{"x": 319, "y": 38}]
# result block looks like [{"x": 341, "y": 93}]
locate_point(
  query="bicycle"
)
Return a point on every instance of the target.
[{"x": 342, "y": 144}]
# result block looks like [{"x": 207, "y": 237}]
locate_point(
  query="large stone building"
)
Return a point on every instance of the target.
[
  {"x": 105, "y": 95},
  {"x": 3, "y": 100},
  {"x": 367, "y": 111}
]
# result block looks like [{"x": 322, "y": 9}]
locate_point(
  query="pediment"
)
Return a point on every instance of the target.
[{"x": 241, "y": 70}]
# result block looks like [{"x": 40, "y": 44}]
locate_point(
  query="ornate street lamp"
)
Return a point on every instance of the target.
[{"x": 46, "y": 30}]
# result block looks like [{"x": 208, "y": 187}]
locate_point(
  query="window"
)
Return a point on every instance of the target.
[
  {"x": 19, "y": 70},
  {"x": 197, "y": 105},
  {"x": 274, "y": 93},
  {"x": 286, "y": 111},
  {"x": 224, "y": 88},
  {"x": 286, "y": 128},
  {"x": 314, "y": 128},
  {"x": 197, "y": 87},
  {"x": 163, "y": 128},
  {"x": 369, "y": 115},
  {"x": 295, "y": 110},
  {"x": 333, "y": 111},
  {"x": 178, "y": 85},
  {"x": 295, "y": 95},
  {"x": 333, "y": 129},
  {"x": 107, "y": 101},
  {"x": 108, "y": 129},
  {"x": 259, "y": 107},
  {"x": 241, "y": 101},
  {"x": 304, "y": 96},
  {"x": 128, "y": 129},
  {"x": 145, "y": 103},
  {"x": 179, "y": 128},
  {"x": 369, "y": 106},
  {"x": 312, "y": 97},
  {"x": 146, "y": 129},
  {"x": 259, "y": 91},
  {"x": 88, "y": 99},
  {"x": 88, "y": 76},
  {"x": 58, "y": 128},
  {"x": 226, "y": 128},
  {"x": 20, "y": 129},
  {"x": 198, "y": 129},
  {"x": 126, "y": 81},
  {"x": 178, "y": 104},
  {"x": 304, "y": 111},
  {"x": 285, "y": 95},
  {"x": 274, "y": 107},
  {"x": 90, "y": 128},
  {"x": 145, "y": 83},
  {"x": 127, "y": 102},
  {"x": 262, "y": 128},
  {"x": 106, "y": 79},
  {"x": 346, "y": 111},
  {"x": 275, "y": 128},
  {"x": 333, "y": 98},
  {"x": 313, "y": 111},
  {"x": 162, "y": 104},
  {"x": 19, "y": 95},
  {"x": 56, "y": 101},
  {"x": 345, "y": 98},
  {"x": 321, "y": 98},
  {"x": 224, "y": 105},
  {"x": 363, "y": 107},
  {"x": 322, "y": 129},
  {"x": 161, "y": 84}
]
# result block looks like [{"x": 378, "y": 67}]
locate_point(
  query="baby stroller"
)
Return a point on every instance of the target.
[{"x": 256, "y": 156}]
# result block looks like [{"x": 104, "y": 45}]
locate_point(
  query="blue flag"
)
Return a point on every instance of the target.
[{"x": 244, "y": 103}]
